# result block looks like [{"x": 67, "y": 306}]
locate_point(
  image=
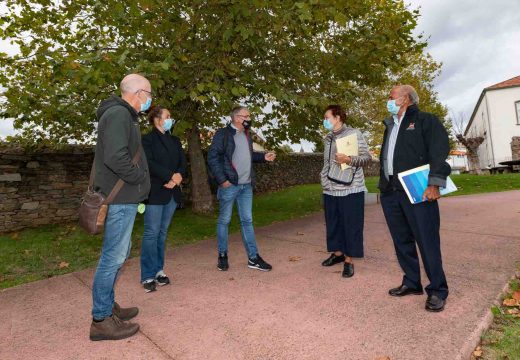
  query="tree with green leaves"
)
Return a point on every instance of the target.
[
  {"x": 202, "y": 57},
  {"x": 368, "y": 108}
]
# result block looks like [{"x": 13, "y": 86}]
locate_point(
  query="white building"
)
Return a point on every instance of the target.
[
  {"x": 496, "y": 118},
  {"x": 458, "y": 161}
]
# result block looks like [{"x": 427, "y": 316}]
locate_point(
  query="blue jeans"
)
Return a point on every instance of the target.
[
  {"x": 243, "y": 195},
  {"x": 116, "y": 249},
  {"x": 157, "y": 219}
]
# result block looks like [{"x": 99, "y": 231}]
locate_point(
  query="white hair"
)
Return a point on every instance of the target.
[{"x": 410, "y": 91}]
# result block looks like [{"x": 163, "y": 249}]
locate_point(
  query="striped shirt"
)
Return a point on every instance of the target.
[
  {"x": 391, "y": 144},
  {"x": 333, "y": 169}
]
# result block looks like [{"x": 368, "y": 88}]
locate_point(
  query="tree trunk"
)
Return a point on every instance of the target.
[
  {"x": 201, "y": 197},
  {"x": 474, "y": 163}
]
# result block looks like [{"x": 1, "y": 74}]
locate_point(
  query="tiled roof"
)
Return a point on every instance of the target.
[{"x": 504, "y": 84}]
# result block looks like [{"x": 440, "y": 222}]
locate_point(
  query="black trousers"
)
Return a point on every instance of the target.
[
  {"x": 411, "y": 224},
  {"x": 345, "y": 217}
]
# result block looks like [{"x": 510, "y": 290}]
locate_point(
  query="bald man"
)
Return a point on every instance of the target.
[
  {"x": 119, "y": 156},
  {"x": 414, "y": 138}
]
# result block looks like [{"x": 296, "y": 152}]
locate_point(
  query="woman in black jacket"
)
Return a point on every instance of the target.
[{"x": 167, "y": 164}]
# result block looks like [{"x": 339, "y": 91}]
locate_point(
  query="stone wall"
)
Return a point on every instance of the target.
[
  {"x": 515, "y": 151},
  {"x": 515, "y": 147},
  {"x": 45, "y": 186}
]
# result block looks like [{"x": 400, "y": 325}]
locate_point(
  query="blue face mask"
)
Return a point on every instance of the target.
[
  {"x": 167, "y": 124},
  {"x": 392, "y": 107},
  {"x": 327, "y": 124},
  {"x": 146, "y": 105}
]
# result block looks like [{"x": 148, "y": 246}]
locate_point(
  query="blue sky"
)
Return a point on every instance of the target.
[{"x": 478, "y": 42}]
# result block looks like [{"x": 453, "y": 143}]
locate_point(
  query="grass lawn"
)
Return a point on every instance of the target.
[
  {"x": 502, "y": 339},
  {"x": 471, "y": 184},
  {"x": 35, "y": 254}
]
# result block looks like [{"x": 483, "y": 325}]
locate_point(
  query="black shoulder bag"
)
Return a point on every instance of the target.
[{"x": 338, "y": 181}]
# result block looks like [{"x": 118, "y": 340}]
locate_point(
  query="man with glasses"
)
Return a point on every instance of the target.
[
  {"x": 230, "y": 159},
  {"x": 119, "y": 156}
]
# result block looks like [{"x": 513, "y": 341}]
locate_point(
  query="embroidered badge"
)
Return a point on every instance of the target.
[{"x": 411, "y": 126}]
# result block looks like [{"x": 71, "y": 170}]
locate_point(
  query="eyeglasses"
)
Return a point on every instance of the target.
[
  {"x": 146, "y": 91},
  {"x": 245, "y": 116}
]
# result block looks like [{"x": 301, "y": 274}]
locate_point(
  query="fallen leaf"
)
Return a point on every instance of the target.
[
  {"x": 15, "y": 236},
  {"x": 516, "y": 295},
  {"x": 477, "y": 353},
  {"x": 383, "y": 358},
  {"x": 63, "y": 264},
  {"x": 510, "y": 302},
  {"x": 513, "y": 311},
  {"x": 231, "y": 278},
  {"x": 300, "y": 233},
  {"x": 295, "y": 258}
]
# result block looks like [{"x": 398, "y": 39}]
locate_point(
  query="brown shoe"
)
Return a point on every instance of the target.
[
  {"x": 124, "y": 314},
  {"x": 112, "y": 328}
]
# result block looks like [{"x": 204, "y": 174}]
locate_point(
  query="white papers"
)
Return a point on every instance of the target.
[{"x": 347, "y": 145}]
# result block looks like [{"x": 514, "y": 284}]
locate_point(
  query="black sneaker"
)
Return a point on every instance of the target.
[
  {"x": 161, "y": 279},
  {"x": 223, "y": 264},
  {"x": 259, "y": 264},
  {"x": 149, "y": 286}
]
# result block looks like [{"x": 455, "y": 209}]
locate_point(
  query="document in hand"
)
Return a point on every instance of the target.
[
  {"x": 347, "y": 145},
  {"x": 415, "y": 182}
]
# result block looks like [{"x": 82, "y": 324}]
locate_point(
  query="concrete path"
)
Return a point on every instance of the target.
[{"x": 300, "y": 310}]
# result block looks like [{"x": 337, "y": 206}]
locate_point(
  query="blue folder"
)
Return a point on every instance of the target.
[{"x": 415, "y": 182}]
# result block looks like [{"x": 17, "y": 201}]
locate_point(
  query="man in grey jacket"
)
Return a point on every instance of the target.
[{"x": 118, "y": 140}]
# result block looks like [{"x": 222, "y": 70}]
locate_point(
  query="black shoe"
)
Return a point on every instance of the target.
[
  {"x": 149, "y": 286},
  {"x": 223, "y": 264},
  {"x": 162, "y": 280},
  {"x": 348, "y": 270},
  {"x": 434, "y": 303},
  {"x": 333, "y": 260},
  {"x": 259, "y": 264},
  {"x": 404, "y": 290}
]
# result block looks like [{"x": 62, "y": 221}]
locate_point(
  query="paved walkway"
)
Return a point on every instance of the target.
[{"x": 300, "y": 310}]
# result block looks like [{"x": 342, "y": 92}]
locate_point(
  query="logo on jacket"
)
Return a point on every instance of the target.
[{"x": 411, "y": 126}]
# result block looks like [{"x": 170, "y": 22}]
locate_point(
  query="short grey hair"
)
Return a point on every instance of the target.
[
  {"x": 412, "y": 94},
  {"x": 236, "y": 110}
]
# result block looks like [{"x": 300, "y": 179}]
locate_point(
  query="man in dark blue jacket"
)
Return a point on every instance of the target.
[
  {"x": 414, "y": 138},
  {"x": 230, "y": 159}
]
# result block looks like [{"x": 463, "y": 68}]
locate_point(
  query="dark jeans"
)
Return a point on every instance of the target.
[
  {"x": 157, "y": 219},
  {"x": 345, "y": 217},
  {"x": 416, "y": 223}
]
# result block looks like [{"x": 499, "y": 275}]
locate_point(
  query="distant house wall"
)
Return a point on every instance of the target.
[
  {"x": 504, "y": 123},
  {"x": 497, "y": 121}
]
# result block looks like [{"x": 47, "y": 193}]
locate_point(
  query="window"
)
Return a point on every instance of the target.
[{"x": 517, "y": 108}]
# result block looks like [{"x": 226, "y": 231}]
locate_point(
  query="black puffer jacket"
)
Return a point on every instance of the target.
[{"x": 118, "y": 139}]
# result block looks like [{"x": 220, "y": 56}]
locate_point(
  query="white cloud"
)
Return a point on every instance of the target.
[
  {"x": 6, "y": 127},
  {"x": 477, "y": 42}
]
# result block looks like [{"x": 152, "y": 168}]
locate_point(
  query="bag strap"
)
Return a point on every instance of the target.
[{"x": 119, "y": 184}]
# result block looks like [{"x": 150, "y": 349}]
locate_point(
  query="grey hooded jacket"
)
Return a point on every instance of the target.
[
  {"x": 333, "y": 169},
  {"x": 118, "y": 139}
]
